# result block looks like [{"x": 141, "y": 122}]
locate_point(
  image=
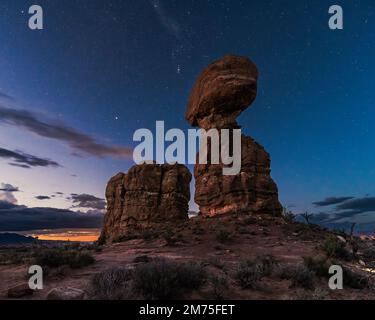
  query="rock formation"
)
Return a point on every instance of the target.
[
  {"x": 223, "y": 90},
  {"x": 149, "y": 194}
]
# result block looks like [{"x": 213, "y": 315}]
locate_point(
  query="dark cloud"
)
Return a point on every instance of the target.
[
  {"x": 43, "y": 197},
  {"x": 23, "y": 166},
  {"x": 8, "y": 188},
  {"x": 331, "y": 201},
  {"x": 25, "y": 160},
  {"x": 7, "y": 193},
  {"x": 4, "y": 205},
  {"x": 21, "y": 218},
  {"x": 359, "y": 205},
  {"x": 87, "y": 201},
  {"x": 55, "y": 130},
  {"x": 346, "y": 212}
]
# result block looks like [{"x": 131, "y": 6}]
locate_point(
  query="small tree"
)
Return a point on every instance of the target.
[
  {"x": 288, "y": 215},
  {"x": 307, "y": 217}
]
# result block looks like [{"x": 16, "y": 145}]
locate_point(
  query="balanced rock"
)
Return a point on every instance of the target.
[
  {"x": 221, "y": 93},
  {"x": 147, "y": 195},
  {"x": 223, "y": 90}
]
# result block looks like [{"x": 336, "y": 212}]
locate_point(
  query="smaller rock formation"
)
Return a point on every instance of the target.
[{"x": 149, "y": 194}]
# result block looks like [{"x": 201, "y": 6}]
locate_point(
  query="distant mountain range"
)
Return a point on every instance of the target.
[{"x": 14, "y": 238}]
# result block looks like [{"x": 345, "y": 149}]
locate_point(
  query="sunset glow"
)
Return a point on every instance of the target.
[{"x": 86, "y": 235}]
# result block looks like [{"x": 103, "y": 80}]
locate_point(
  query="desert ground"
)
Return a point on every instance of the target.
[{"x": 235, "y": 256}]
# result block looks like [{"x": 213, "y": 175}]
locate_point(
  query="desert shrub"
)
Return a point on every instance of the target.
[
  {"x": 216, "y": 262},
  {"x": 319, "y": 265},
  {"x": 299, "y": 275},
  {"x": 224, "y": 236},
  {"x": 317, "y": 294},
  {"x": 72, "y": 246},
  {"x": 288, "y": 215},
  {"x": 355, "y": 280},
  {"x": 54, "y": 258},
  {"x": 80, "y": 260},
  {"x": 169, "y": 237},
  {"x": 56, "y": 273},
  {"x": 303, "y": 277},
  {"x": 267, "y": 264},
  {"x": 335, "y": 248},
  {"x": 248, "y": 274},
  {"x": 14, "y": 255},
  {"x": 112, "y": 284},
  {"x": 369, "y": 253},
  {"x": 219, "y": 287},
  {"x": 162, "y": 279}
]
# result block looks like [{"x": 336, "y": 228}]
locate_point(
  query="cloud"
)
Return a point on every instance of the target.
[
  {"x": 348, "y": 210},
  {"x": 6, "y": 193},
  {"x": 21, "y": 218},
  {"x": 79, "y": 142},
  {"x": 5, "y": 96},
  {"x": 87, "y": 201},
  {"x": 166, "y": 20},
  {"x": 24, "y": 160},
  {"x": 359, "y": 205},
  {"x": 331, "y": 201},
  {"x": 43, "y": 197},
  {"x": 8, "y": 188}
]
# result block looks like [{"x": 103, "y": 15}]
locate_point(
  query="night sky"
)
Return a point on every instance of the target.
[{"x": 72, "y": 95}]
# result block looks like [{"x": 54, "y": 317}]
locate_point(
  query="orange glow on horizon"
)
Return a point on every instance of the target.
[
  {"x": 49, "y": 237},
  {"x": 82, "y": 236}
]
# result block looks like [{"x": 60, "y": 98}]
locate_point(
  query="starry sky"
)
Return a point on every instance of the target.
[{"x": 72, "y": 95}]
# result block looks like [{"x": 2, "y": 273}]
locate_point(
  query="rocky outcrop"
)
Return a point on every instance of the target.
[
  {"x": 147, "y": 195},
  {"x": 223, "y": 90}
]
